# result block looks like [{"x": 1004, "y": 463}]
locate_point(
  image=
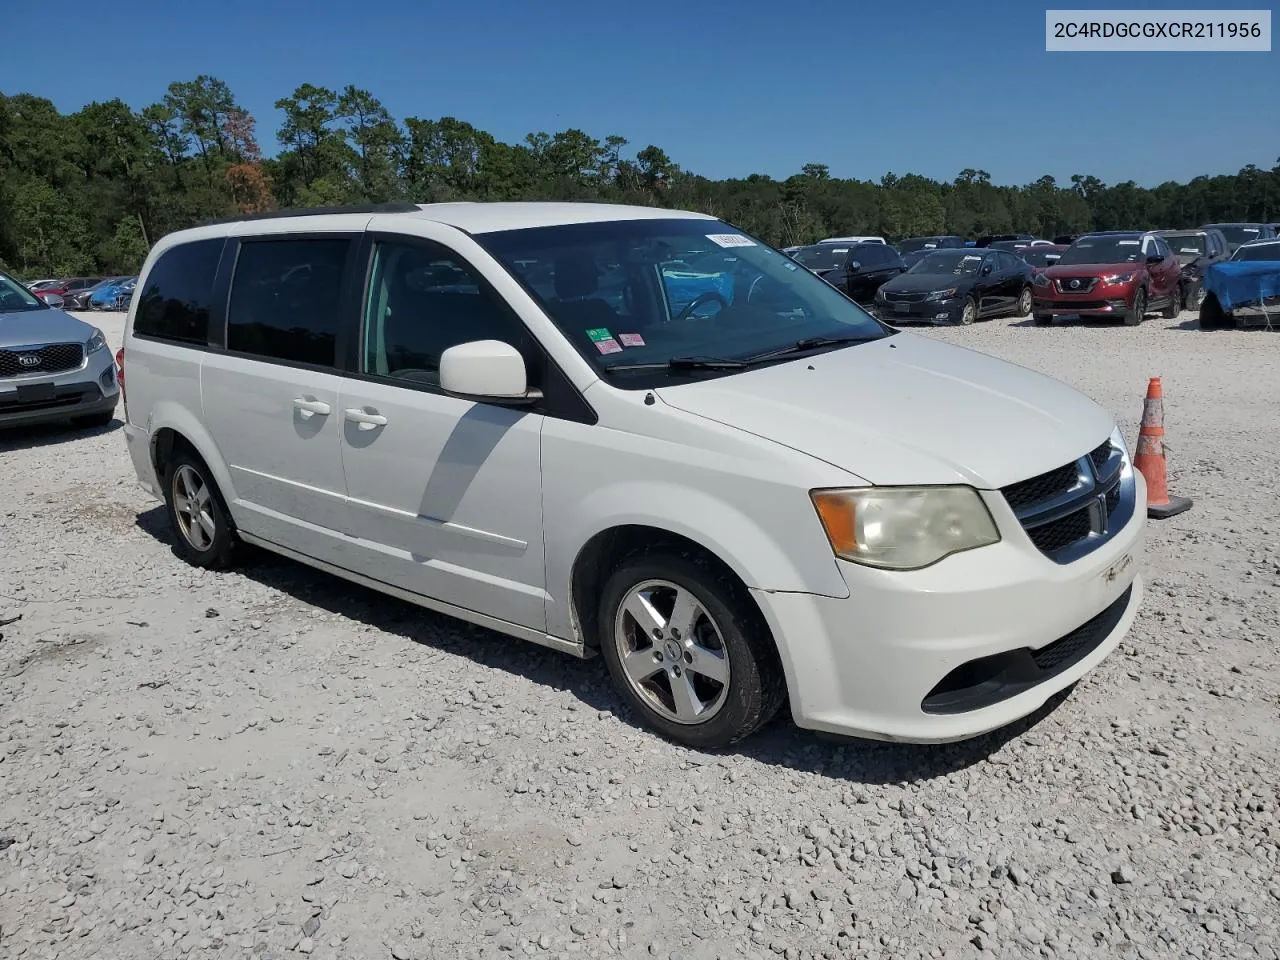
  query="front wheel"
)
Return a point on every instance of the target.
[
  {"x": 1024, "y": 302},
  {"x": 1175, "y": 304},
  {"x": 1133, "y": 316},
  {"x": 688, "y": 650},
  {"x": 969, "y": 312}
]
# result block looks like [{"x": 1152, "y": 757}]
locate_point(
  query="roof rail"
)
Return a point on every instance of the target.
[{"x": 318, "y": 212}]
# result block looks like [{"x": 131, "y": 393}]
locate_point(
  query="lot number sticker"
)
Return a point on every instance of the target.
[{"x": 730, "y": 240}]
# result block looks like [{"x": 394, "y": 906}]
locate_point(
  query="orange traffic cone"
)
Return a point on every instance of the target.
[{"x": 1149, "y": 459}]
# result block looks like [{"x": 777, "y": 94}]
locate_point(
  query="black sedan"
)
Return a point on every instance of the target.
[
  {"x": 958, "y": 286},
  {"x": 857, "y": 269}
]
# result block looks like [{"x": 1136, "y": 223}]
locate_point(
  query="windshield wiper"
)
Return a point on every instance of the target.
[
  {"x": 808, "y": 343},
  {"x": 683, "y": 363}
]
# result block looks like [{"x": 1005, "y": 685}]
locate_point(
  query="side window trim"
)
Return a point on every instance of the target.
[
  {"x": 561, "y": 399},
  {"x": 345, "y": 319}
]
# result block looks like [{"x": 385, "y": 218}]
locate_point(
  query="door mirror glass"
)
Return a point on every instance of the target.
[
  {"x": 855, "y": 266},
  {"x": 985, "y": 271},
  {"x": 486, "y": 370}
]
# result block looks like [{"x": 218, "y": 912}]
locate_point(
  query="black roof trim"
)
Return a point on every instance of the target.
[{"x": 318, "y": 212}]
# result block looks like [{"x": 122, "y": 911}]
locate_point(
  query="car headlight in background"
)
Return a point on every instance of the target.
[
  {"x": 1118, "y": 278},
  {"x": 98, "y": 341},
  {"x": 904, "y": 528},
  {"x": 942, "y": 294}
]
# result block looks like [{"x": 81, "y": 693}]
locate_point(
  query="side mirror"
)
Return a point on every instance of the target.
[
  {"x": 486, "y": 370},
  {"x": 855, "y": 266},
  {"x": 986, "y": 271}
]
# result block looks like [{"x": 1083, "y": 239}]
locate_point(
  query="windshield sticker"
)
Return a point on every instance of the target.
[
  {"x": 840, "y": 250},
  {"x": 971, "y": 259},
  {"x": 608, "y": 346},
  {"x": 599, "y": 334},
  {"x": 730, "y": 240},
  {"x": 631, "y": 339},
  {"x": 930, "y": 246},
  {"x": 1189, "y": 250},
  {"x": 1128, "y": 243}
]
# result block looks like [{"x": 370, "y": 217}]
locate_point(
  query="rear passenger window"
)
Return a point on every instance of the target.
[
  {"x": 422, "y": 300},
  {"x": 175, "y": 299},
  {"x": 285, "y": 299}
]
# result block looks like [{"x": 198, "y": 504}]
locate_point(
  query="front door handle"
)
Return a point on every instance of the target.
[
  {"x": 309, "y": 408},
  {"x": 364, "y": 420}
]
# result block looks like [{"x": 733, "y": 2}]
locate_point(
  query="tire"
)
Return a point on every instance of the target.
[
  {"x": 743, "y": 685},
  {"x": 96, "y": 419},
  {"x": 1175, "y": 304},
  {"x": 1023, "y": 307},
  {"x": 969, "y": 312},
  {"x": 1133, "y": 316},
  {"x": 1043, "y": 319},
  {"x": 213, "y": 542},
  {"x": 1212, "y": 316}
]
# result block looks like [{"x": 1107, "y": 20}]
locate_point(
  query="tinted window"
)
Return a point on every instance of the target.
[
  {"x": 1103, "y": 249},
  {"x": 1006, "y": 261},
  {"x": 285, "y": 299},
  {"x": 422, "y": 300},
  {"x": 912, "y": 244},
  {"x": 949, "y": 262},
  {"x": 873, "y": 255},
  {"x": 823, "y": 256},
  {"x": 175, "y": 299},
  {"x": 1262, "y": 251}
]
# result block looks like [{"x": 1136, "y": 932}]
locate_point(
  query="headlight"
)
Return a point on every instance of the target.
[
  {"x": 942, "y": 294},
  {"x": 1118, "y": 278},
  {"x": 904, "y": 528},
  {"x": 1117, "y": 440},
  {"x": 1040, "y": 280},
  {"x": 96, "y": 342}
]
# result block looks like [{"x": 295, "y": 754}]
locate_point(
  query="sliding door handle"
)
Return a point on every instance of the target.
[
  {"x": 365, "y": 420},
  {"x": 309, "y": 408}
]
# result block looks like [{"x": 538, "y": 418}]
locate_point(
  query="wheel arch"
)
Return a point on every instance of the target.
[{"x": 172, "y": 427}]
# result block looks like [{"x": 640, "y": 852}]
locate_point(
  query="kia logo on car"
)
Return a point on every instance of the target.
[{"x": 29, "y": 360}]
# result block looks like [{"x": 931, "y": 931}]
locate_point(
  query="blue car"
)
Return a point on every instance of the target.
[{"x": 108, "y": 296}]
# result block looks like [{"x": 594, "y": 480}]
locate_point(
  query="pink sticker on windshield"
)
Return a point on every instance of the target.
[
  {"x": 608, "y": 346},
  {"x": 631, "y": 339}
]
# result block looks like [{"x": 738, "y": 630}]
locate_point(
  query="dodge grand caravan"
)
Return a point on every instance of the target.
[{"x": 642, "y": 434}]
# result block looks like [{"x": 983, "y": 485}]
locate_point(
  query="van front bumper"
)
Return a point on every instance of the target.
[{"x": 961, "y": 648}]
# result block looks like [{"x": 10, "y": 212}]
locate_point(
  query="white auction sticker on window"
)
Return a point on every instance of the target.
[{"x": 730, "y": 240}]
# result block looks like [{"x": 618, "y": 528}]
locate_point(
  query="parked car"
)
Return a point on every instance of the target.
[
  {"x": 1112, "y": 274},
  {"x": 1008, "y": 246},
  {"x": 1066, "y": 239},
  {"x": 52, "y": 299},
  {"x": 958, "y": 286},
  {"x": 925, "y": 244},
  {"x": 857, "y": 269},
  {"x": 79, "y": 299},
  {"x": 1195, "y": 251},
  {"x": 847, "y": 240},
  {"x": 1243, "y": 290},
  {"x": 72, "y": 285},
  {"x": 1238, "y": 233},
  {"x": 52, "y": 366},
  {"x": 987, "y": 241},
  {"x": 1041, "y": 256},
  {"x": 106, "y": 295},
  {"x": 35, "y": 286},
  {"x": 695, "y": 501}
]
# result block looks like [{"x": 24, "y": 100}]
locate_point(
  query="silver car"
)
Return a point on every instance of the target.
[{"x": 52, "y": 366}]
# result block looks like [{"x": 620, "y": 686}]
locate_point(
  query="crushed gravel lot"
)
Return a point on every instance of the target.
[{"x": 271, "y": 762}]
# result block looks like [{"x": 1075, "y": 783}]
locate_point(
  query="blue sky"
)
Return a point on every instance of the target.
[{"x": 727, "y": 89}]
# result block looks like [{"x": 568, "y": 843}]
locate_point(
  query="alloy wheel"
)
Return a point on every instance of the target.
[{"x": 193, "y": 504}]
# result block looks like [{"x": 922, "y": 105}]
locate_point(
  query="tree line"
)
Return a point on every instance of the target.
[{"x": 88, "y": 192}]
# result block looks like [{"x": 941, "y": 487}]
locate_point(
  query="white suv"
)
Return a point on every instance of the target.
[{"x": 639, "y": 433}]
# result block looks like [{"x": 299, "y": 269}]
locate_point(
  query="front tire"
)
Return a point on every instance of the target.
[
  {"x": 969, "y": 312},
  {"x": 688, "y": 649},
  {"x": 1175, "y": 304},
  {"x": 201, "y": 523},
  {"x": 1133, "y": 316}
]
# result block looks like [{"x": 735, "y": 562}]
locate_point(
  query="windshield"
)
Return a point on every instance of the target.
[
  {"x": 14, "y": 297},
  {"x": 616, "y": 292},
  {"x": 1261, "y": 251},
  {"x": 822, "y": 256},
  {"x": 1103, "y": 250},
  {"x": 918, "y": 243},
  {"x": 1040, "y": 257},
  {"x": 955, "y": 263},
  {"x": 1240, "y": 234}
]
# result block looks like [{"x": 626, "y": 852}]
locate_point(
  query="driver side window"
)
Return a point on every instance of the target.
[{"x": 423, "y": 299}]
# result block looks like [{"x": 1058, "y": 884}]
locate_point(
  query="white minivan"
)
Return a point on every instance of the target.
[{"x": 644, "y": 434}]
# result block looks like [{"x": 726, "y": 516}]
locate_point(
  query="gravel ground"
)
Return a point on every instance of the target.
[{"x": 270, "y": 762}]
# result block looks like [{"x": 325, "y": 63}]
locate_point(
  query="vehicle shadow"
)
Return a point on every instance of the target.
[
  {"x": 48, "y": 434},
  {"x": 780, "y": 743},
  {"x": 1191, "y": 324}
]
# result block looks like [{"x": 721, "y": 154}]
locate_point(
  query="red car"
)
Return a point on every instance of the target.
[{"x": 1124, "y": 274}]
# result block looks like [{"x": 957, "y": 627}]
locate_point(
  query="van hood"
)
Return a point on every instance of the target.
[
  {"x": 907, "y": 410},
  {"x": 24, "y": 328}
]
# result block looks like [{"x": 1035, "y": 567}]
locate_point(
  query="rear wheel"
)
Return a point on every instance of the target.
[
  {"x": 1024, "y": 302},
  {"x": 1133, "y": 316},
  {"x": 688, "y": 650},
  {"x": 198, "y": 514},
  {"x": 1175, "y": 304}
]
